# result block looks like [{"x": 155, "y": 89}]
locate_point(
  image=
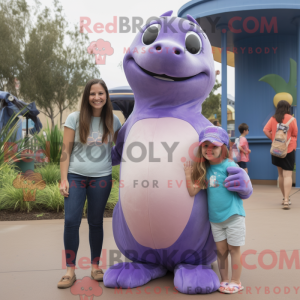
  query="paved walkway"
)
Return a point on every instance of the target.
[{"x": 31, "y": 256}]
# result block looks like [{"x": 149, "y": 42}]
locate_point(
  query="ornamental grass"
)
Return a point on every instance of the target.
[{"x": 46, "y": 199}]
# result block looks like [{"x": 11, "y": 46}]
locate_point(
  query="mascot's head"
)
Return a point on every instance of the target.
[{"x": 170, "y": 62}]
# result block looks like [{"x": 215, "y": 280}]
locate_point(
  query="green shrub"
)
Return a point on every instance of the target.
[
  {"x": 8, "y": 134},
  {"x": 51, "y": 143},
  {"x": 12, "y": 198},
  {"x": 47, "y": 199},
  {"x": 7, "y": 174},
  {"x": 50, "y": 173},
  {"x": 50, "y": 198}
]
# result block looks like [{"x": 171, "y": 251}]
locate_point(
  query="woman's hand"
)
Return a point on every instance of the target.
[
  {"x": 188, "y": 169},
  {"x": 64, "y": 188}
]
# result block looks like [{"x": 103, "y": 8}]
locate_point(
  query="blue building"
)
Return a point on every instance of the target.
[{"x": 262, "y": 35}]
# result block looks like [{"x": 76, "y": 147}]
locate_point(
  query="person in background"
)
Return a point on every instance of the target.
[
  {"x": 216, "y": 123},
  {"x": 244, "y": 146},
  {"x": 285, "y": 166}
]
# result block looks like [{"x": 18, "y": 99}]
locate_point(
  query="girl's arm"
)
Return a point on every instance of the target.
[
  {"x": 193, "y": 189},
  {"x": 68, "y": 141}
]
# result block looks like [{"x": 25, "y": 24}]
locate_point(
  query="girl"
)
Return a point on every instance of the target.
[
  {"x": 86, "y": 172},
  {"x": 225, "y": 208},
  {"x": 285, "y": 165}
]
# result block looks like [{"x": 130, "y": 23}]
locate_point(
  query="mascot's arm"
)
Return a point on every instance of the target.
[
  {"x": 116, "y": 151},
  {"x": 115, "y": 156},
  {"x": 238, "y": 181}
]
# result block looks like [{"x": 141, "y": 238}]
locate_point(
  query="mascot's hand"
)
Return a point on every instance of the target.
[{"x": 238, "y": 181}]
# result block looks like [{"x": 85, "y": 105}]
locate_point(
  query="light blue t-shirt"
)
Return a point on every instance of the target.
[
  {"x": 92, "y": 159},
  {"x": 222, "y": 203}
]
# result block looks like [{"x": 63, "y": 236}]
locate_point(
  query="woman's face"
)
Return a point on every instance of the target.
[
  {"x": 210, "y": 151},
  {"x": 97, "y": 97}
]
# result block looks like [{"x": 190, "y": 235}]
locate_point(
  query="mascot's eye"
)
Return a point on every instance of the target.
[
  {"x": 150, "y": 34},
  {"x": 193, "y": 42}
]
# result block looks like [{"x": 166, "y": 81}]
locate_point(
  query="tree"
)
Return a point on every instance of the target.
[
  {"x": 55, "y": 64},
  {"x": 212, "y": 104},
  {"x": 74, "y": 68},
  {"x": 14, "y": 25},
  {"x": 36, "y": 76}
]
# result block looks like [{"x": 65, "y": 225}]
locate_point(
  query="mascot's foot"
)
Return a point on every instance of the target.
[
  {"x": 190, "y": 279},
  {"x": 131, "y": 275}
]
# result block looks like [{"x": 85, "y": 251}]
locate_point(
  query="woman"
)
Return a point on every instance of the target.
[
  {"x": 86, "y": 172},
  {"x": 285, "y": 165}
]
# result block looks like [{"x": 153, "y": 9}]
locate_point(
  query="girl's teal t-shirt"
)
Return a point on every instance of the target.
[
  {"x": 92, "y": 159},
  {"x": 222, "y": 203}
]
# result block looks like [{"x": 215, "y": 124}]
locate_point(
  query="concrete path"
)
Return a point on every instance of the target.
[{"x": 31, "y": 256}]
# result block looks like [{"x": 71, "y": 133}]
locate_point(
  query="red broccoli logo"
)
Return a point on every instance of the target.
[
  {"x": 100, "y": 49},
  {"x": 86, "y": 288}
]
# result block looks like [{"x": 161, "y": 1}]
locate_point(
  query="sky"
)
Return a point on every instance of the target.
[{"x": 104, "y": 12}]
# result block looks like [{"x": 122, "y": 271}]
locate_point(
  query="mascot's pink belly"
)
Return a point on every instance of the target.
[{"x": 156, "y": 216}]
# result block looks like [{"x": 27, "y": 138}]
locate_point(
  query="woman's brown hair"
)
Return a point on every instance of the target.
[
  {"x": 86, "y": 114},
  {"x": 283, "y": 107},
  {"x": 201, "y": 164}
]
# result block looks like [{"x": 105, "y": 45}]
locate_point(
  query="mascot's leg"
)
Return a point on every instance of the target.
[
  {"x": 131, "y": 275},
  {"x": 193, "y": 279}
]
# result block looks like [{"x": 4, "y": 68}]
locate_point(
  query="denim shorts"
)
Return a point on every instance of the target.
[{"x": 233, "y": 229}]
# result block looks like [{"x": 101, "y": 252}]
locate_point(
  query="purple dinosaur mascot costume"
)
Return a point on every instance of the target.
[{"x": 156, "y": 224}]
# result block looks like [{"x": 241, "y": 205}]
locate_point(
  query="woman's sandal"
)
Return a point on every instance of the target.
[
  {"x": 97, "y": 274},
  {"x": 289, "y": 201},
  {"x": 66, "y": 282},
  {"x": 233, "y": 288},
  {"x": 286, "y": 205},
  {"x": 223, "y": 285}
]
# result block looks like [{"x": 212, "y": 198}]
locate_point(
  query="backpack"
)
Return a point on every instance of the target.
[
  {"x": 235, "y": 151},
  {"x": 280, "y": 144}
]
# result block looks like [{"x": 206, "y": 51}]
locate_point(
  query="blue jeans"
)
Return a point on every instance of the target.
[{"x": 97, "y": 190}]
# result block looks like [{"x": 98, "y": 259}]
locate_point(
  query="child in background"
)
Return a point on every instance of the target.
[
  {"x": 225, "y": 208},
  {"x": 244, "y": 146}
]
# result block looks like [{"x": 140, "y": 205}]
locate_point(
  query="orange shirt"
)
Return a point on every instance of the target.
[{"x": 271, "y": 126}]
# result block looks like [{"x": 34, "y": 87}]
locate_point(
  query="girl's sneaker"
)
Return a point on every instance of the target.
[{"x": 233, "y": 288}]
